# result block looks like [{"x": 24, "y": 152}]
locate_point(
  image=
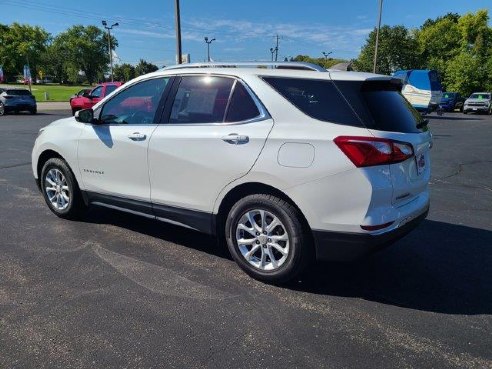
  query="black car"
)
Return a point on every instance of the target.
[
  {"x": 451, "y": 101},
  {"x": 17, "y": 100}
]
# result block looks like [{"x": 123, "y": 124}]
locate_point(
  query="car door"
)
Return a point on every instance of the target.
[
  {"x": 215, "y": 130},
  {"x": 112, "y": 154}
]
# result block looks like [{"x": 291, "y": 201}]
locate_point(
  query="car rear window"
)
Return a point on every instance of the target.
[
  {"x": 376, "y": 105},
  {"x": 18, "y": 92},
  {"x": 110, "y": 88}
]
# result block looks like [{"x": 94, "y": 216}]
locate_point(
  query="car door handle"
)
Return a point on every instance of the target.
[
  {"x": 235, "y": 139},
  {"x": 137, "y": 136}
]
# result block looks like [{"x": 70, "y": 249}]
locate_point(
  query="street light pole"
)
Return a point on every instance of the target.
[
  {"x": 377, "y": 35},
  {"x": 208, "y": 42},
  {"x": 177, "y": 17},
  {"x": 105, "y": 25},
  {"x": 272, "y": 50},
  {"x": 325, "y": 54}
]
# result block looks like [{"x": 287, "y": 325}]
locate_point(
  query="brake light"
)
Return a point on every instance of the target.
[{"x": 371, "y": 151}]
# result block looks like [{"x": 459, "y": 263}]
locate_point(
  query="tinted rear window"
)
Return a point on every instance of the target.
[
  {"x": 376, "y": 105},
  {"x": 18, "y": 92},
  {"x": 320, "y": 99},
  {"x": 241, "y": 107}
]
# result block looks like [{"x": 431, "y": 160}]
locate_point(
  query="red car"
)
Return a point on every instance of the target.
[{"x": 87, "y": 101}]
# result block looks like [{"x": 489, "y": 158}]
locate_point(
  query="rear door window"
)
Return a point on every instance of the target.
[{"x": 201, "y": 99}]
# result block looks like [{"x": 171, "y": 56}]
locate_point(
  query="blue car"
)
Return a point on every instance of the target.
[
  {"x": 452, "y": 101},
  {"x": 422, "y": 88}
]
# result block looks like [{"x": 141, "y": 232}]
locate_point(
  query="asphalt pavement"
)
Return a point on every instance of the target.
[{"x": 119, "y": 291}]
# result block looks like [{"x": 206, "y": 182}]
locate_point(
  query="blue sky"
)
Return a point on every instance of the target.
[{"x": 244, "y": 30}]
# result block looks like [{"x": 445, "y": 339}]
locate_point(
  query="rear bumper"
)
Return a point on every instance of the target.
[
  {"x": 338, "y": 246},
  {"x": 20, "y": 107}
]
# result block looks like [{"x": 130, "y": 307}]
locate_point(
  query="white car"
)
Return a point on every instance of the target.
[{"x": 287, "y": 162}]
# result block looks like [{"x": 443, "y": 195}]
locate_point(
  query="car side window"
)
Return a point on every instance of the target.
[
  {"x": 241, "y": 107},
  {"x": 135, "y": 105},
  {"x": 110, "y": 88},
  {"x": 201, "y": 99},
  {"x": 96, "y": 92}
]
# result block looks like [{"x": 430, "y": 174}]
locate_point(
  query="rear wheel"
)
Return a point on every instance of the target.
[
  {"x": 33, "y": 111},
  {"x": 266, "y": 238},
  {"x": 60, "y": 189}
]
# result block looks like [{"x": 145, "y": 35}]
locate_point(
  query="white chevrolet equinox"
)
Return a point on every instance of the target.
[{"x": 287, "y": 162}]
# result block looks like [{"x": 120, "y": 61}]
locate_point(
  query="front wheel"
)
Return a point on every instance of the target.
[
  {"x": 267, "y": 239},
  {"x": 60, "y": 189}
]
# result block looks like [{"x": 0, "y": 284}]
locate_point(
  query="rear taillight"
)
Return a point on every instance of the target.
[{"x": 370, "y": 151}]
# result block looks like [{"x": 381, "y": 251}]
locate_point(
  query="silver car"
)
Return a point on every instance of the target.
[
  {"x": 478, "y": 102},
  {"x": 17, "y": 100}
]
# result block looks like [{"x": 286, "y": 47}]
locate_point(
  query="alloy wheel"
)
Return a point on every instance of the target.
[
  {"x": 57, "y": 189},
  {"x": 262, "y": 239}
]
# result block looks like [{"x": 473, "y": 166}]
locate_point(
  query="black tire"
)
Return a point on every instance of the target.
[
  {"x": 300, "y": 246},
  {"x": 74, "y": 111},
  {"x": 2, "y": 109},
  {"x": 465, "y": 112},
  {"x": 76, "y": 204},
  {"x": 33, "y": 111}
]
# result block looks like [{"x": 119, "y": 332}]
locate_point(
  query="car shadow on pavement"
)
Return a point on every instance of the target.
[
  {"x": 157, "y": 229},
  {"x": 440, "y": 267}
]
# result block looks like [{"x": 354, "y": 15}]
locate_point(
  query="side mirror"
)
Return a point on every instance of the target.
[{"x": 85, "y": 116}]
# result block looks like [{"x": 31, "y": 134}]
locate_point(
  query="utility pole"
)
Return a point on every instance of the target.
[
  {"x": 276, "y": 47},
  {"x": 377, "y": 35},
  {"x": 208, "y": 42},
  {"x": 178, "y": 31},
  {"x": 105, "y": 25}
]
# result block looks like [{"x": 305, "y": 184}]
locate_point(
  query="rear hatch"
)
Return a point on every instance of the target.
[
  {"x": 19, "y": 97},
  {"x": 382, "y": 108}
]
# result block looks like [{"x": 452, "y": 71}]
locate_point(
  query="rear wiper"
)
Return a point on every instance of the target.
[{"x": 423, "y": 124}]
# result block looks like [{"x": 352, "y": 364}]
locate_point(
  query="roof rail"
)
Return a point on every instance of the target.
[{"x": 266, "y": 65}]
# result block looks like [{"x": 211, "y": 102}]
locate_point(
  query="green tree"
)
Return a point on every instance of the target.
[
  {"x": 85, "y": 49},
  {"x": 460, "y": 48},
  {"x": 124, "y": 72},
  {"x": 398, "y": 49},
  {"x": 322, "y": 61},
  {"x": 144, "y": 67},
  {"x": 21, "y": 44}
]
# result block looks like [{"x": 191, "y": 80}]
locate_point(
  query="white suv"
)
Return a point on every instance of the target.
[{"x": 285, "y": 161}]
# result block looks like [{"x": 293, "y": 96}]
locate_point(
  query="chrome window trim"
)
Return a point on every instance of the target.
[{"x": 264, "y": 114}]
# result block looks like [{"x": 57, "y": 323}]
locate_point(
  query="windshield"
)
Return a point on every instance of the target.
[
  {"x": 480, "y": 96},
  {"x": 448, "y": 95}
]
